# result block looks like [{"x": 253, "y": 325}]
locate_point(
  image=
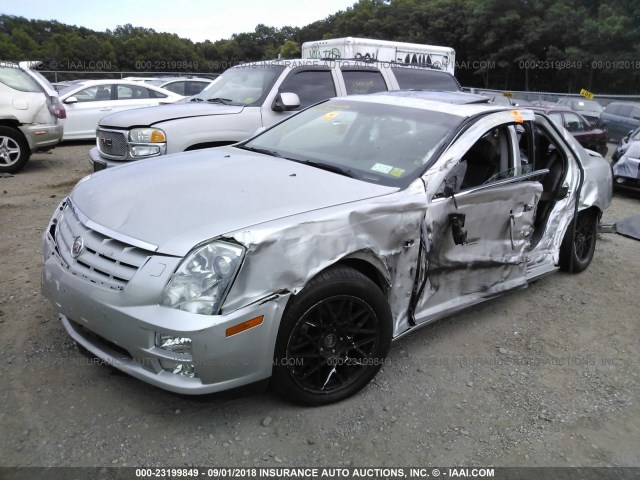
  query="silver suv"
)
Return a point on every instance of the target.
[
  {"x": 30, "y": 114},
  {"x": 246, "y": 98}
]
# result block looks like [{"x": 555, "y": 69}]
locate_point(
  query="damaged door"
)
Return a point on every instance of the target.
[{"x": 478, "y": 225}]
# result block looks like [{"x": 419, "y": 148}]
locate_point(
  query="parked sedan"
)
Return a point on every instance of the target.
[
  {"x": 300, "y": 253},
  {"x": 184, "y": 86},
  {"x": 585, "y": 132},
  {"x": 590, "y": 109},
  {"x": 87, "y": 102}
]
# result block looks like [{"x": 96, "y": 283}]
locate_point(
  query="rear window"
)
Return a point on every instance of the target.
[
  {"x": 421, "y": 79},
  {"x": 17, "y": 79},
  {"x": 363, "y": 81}
]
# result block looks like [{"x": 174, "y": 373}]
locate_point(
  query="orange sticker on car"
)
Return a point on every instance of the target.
[
  {"x": 517, "y": 117},
  {"x": 330, "y": 115}
]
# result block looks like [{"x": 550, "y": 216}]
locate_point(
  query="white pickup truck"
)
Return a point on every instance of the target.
[{"x": 246, "y": 98}]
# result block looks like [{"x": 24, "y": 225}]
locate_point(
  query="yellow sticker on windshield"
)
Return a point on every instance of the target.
[
  {"x": 330, "y": 115},
  {"x": 517, "y": 116},
  {"x": 396, "y": 172}
]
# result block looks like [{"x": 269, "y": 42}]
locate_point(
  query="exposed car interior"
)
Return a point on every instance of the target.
[{"x": 489, "y": 160}]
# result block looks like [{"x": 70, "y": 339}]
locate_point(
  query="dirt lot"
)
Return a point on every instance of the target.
[{"x": 545, "y": 376}]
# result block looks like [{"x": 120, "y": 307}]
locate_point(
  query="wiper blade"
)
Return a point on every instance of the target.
[
  {"x": 265, "y": 151},
  {"x": 196, "y": 99},
  {"x": 330, "y": 168},
  {"x": 225, "y": 101}
]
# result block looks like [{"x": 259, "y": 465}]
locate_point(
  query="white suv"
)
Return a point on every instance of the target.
[
  {"x": 246, "y": 98},
  {"x": 30, "y": 115}
]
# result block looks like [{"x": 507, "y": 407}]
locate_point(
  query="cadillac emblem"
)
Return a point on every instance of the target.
[{"x": 77, "y": 247}]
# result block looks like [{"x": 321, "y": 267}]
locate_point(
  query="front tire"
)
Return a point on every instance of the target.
[
  {"x": 14, "y": 150},
  {"x": 576, "y": 251},
  {"x": 333, "y": 338}
]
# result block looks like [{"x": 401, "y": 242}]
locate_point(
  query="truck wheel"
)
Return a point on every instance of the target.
[
  {"x": 333, "y": 338},
  {"x": 14, "y": 150}
]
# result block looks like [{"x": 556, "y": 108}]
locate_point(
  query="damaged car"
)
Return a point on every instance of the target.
[
  {"x": 626, "y": 169},
  {"x": 301, "y": 253}
]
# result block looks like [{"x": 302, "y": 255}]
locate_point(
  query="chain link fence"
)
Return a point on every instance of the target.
[{"x": 56, "y": 76}]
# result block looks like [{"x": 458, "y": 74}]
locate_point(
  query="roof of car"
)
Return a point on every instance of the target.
[
  {"x": 457, "y": 98},
  {"x": 90, "y": 83},
  {"x": 463, "y": 104},
  {"x": 551, "y": 108}
]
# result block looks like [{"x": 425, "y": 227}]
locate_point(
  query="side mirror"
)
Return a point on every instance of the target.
[
  {"x": 285, "y": 101},
  {"x": 71, "y": 100}
]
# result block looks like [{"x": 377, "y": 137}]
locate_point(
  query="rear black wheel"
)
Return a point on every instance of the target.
[
  {"x": 577, "y": 250},
  {"x": 333, "y": 338}
]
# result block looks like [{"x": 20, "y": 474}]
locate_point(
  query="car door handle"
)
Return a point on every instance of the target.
[{"x": 527, "y": 207}]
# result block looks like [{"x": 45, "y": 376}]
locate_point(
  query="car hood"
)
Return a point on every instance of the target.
[
  {"x": 178, "y": 201},
  {"x": 147, "y": 116}
]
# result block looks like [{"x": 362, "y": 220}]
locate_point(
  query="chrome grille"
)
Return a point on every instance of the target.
[
  {"x": 103, "y": 260},
  {"x": 111, "y": 144}
]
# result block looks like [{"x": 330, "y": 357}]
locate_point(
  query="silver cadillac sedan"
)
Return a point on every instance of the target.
[{"x": 301, "y": 253}]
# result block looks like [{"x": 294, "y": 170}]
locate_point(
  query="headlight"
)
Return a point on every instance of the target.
[
  {"x": 202, "y": 280},
  {"x": 147, "y": 135}
]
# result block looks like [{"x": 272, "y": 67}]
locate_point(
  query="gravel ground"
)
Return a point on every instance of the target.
[{"x": 546, "y": 376}]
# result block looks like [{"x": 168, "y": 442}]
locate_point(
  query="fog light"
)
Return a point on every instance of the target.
[
  {"x": 138, "y": 151},
  {"x": 179, "y": 368},
  {"x": 180, "y": 345},
  {"x": 619, "y": 180}
]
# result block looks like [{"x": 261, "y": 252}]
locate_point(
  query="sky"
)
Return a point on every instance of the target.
[{"x": 198, "y": 20}]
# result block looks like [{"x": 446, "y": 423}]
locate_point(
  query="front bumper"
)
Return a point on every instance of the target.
[
  {"x": 626, "y": 174},
  {"x": 121, "y": 328},
  {"x": 626, "y": 183},
  {"x": 42, "y": 136},
  {"x": 100, "y": 163}
]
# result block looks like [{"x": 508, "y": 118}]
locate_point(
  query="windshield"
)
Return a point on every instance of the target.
[
  {"x": 377, "y": 143},
  {"x": 243, "y": 85},
  {"x": 16, "y": 78}
]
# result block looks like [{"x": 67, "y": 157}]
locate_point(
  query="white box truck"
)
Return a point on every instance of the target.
[{"x": 443, "y": 58}]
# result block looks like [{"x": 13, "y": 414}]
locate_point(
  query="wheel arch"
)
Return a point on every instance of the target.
[
  {"x": 592, "y": 209},
  {"x": 370, "y": 267},
  {"x": 11, "y": 123},
  {"x": 15, "y": 125},
  {"x": 365, "y": 263}
]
